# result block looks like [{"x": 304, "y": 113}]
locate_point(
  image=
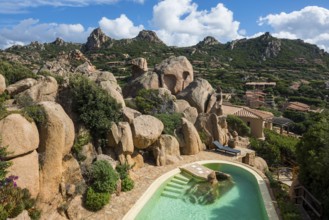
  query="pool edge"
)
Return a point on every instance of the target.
[{"x": 265, "y": 191}]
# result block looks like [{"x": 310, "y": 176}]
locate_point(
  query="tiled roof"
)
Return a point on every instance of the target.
[
  {"x": 246, "y": 112},
  {"x": 297, "y": 106}
]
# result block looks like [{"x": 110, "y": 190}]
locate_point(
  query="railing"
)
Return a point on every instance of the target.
[{"x": 304, "y": 197}]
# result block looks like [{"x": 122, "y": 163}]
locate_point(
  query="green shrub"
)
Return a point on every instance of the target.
[
  {"x": 103, "y": 176},
  {"x": 127, "y": 184},
  {"x": 123, "y": 170},
  {"x": 14, "y": 72},
  {"x": 171, "y": 122},
  {"x": 149, "y": 101},
  {"x": 31, "y": 109},
  {"x": 3, "y": 213},
  {"x": 95, "y": 108},
  {"x": 95, "y": 201},
  {"x": 236, "y": 124},
  {"x": 79, "y": 142}
]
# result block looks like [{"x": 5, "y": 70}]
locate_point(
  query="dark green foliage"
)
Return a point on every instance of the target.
[
  {"x": 149, "y": 101},
  {"x": 127, "y": 184},
  {"x": 276, "y": 149},
  {"x": 79, "y": 142},
  {"x": 31, "y": 109},
  {"x": 95, "y": 108},
  {"x": 312, "y": 157},
  {"x": 103, "y": 177},
  {"x": 288, "y": 210},
  {"x": 14, "y": 72},
  {"x": 236, "y": 124},
  {"x": 123, "y": 170},
  {"x": 171, "y": 122},
  {"x": 3, "y": 164},
  {"x": 95, "y": 201},
  {"x": 3, "y": 213}
]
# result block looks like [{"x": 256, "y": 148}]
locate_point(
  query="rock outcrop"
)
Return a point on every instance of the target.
[
  {"x": 261, "y": 164},
  {"x": 20, "y": 135},
  {"x": 208, "y": 41},
  {"x": 44, "y": 90},
  {"x": 175, "y": 73},
  {"x": 213, "y": 127},
  {"x": 166, "y": 150},
  {"x": 27, "y": 169},
  {"x": 96, "y": 39},
  {"x": 129, "y": 114},
  {"x": 56, "y": 140},
  {"x": 21, "y": 86},
  {"x": 149, "y": 36},
  {"x": 2, "y": 84},
  {"x": 139, "y": 66},
  {"x": 146, "y": 130},
  {"x": 148, "y": 80},
  {"x": 192, "y": 143},
  {"x": 197, "y": 94},
  {"x": 190, "y": 113}
]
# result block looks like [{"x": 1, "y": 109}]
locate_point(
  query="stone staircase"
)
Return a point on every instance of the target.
[{"x": 176, "y": 186}]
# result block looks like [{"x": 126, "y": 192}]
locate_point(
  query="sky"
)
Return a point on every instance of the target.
[{"x": 176, "y": 22}]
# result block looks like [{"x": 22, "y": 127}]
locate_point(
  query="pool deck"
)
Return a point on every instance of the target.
[
  {"x": 120, "y": 205},
  {"x": 197, "y": 170}
]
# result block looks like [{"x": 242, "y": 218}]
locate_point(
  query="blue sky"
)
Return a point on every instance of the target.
[{"x": 177, "y": 22}]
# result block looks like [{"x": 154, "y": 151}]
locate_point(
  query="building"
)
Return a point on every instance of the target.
[
  {"x": 257, "y": 120},
  {"x": 297, "y": 106},
  {"x": 260, "y": 85}
]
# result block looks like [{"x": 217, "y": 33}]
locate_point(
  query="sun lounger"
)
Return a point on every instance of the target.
[{"x": 225, "y": 149}]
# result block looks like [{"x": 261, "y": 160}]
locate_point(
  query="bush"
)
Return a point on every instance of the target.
[
  {"x": 149, "y": 101},
  {"x": 95, "y": 201},
  {"x": 127, "y": 184},
  {"x": 103, "y": 176},
  {"x": 3, "y": 213},
  {"x": 31, "y": 109},
  {"x": 79, "y": 142},
  {"x": 123, "y": 170},
  {"x": 236, "y": 124},
  {"x": 14, "y": 72},
  {"x": 95, "y": 108},
  {"x": 171, "y": 122}
]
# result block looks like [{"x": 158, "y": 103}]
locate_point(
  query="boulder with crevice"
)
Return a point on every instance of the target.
[
  {"x": 175, "y": 73},
  {"x": 19, "y": 135},
  {"x": 27, "y": 169},
  {"x": 146, "y": 129},
  {"x": 21, "y": 86},
  {"x": 166, "y": 150},
  {"x": 56, "y": 141},
  {"x": 197, "y": 94},
  {"x": 139, "y": 66},
  {"x": 129, "y": 114},
  {"x": 192, "y": 142},
  {"x": 44, "y": 90}
]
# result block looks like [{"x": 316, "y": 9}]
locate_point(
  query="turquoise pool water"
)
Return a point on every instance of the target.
[{"x": 242, "y": 200}]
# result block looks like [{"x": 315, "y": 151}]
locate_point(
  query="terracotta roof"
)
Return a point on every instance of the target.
[
  {"x": 298, "y": 106},
  {"x": 243, "y": 111}
]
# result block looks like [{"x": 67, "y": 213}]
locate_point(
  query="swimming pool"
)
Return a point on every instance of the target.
[{"x": 246, "y": 198}]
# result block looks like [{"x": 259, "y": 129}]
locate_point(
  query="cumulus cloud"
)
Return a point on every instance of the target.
[
  {"x": 180, "y": 23},
  {"x": 121, "y": 27},
  {"x": 22, "y": 6},
  {"x": 310, "y": 24},
  {"x": 32, "y": 30}
]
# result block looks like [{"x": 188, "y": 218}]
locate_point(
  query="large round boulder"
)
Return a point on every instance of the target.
[
  {"x": 20, "y": 135},
  {"x": 197, "y": 94},
  {"x": 146, "y": 130},
  {"x": 261, "y": 164},
  {"x": 21, "y": 86},
  {"x": 148, "y": 80},
  {"x": 166, "y": 150},
  {"x": 27, "y": 170},
  {"x": 2, "y": 84},
  {"x": 139, "y": 66},
  {"x": 192, "y": 141},
  {"x": 176, "y": 73},
  {"x": 56, "y": 140}
]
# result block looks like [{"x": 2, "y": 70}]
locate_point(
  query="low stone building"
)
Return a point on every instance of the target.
[{"x": 257, "y": 120}]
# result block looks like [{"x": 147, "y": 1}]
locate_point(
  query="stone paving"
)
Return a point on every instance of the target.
[{"x": 120, "y": 205}]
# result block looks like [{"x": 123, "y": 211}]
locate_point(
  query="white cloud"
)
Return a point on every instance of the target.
[
  {"x": 32, "y": 30},
  {"x": 121, "y": 27},
  {"x": 180, "y": 22},
  {"x": 22, "y": 6},
  {"x": 310, "y": 24}
]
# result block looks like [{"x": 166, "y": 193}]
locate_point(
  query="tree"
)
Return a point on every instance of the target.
[
  {"x": 313, "y": 159},
  {"x": 236, "y": 124}
]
